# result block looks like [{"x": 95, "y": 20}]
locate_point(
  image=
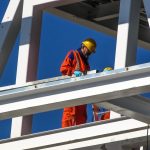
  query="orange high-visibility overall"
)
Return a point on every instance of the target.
[
  {"x": 74, "y": 60},
  {"x": 104, "y": 116}
]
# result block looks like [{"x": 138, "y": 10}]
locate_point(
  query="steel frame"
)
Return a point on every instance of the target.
[
  {"x": 116, "y": 84},
  {"x": 135, "y": 107}
]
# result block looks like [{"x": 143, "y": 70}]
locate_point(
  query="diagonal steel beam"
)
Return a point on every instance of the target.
[
  {"x": 136, "y": 107},
  {"x": 9, "y": 29}
]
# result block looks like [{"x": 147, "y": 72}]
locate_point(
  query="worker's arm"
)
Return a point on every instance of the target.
[{"x": 67, "y": 65}]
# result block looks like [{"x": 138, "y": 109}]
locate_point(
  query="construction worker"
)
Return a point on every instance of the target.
[
  {"x": 76, "y": 63},
  {"x": 101, "y": 113}
]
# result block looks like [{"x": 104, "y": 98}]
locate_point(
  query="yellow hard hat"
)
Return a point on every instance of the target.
[
  {"x": 108, "y": 69},
  {"x": 90, "y": 44}
]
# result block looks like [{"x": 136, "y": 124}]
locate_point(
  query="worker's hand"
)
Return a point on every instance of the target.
[{"x": 77, "y": 73}]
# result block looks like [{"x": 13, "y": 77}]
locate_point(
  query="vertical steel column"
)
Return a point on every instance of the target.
[
  {"x": 127, "y": 35},
  {"x": 27, "y": 60},
  {"x": 147, "y": 8}
]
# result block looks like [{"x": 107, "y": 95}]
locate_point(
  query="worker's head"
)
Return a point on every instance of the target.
[
  {"x": 107, "y": 69},
  {"x": 88, "y": 46}
]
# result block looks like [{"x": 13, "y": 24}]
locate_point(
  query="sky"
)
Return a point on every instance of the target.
[{"x": 58, "y": 36}]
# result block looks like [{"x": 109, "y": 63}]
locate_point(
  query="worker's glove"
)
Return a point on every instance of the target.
[{"x": 77, "y": 73}]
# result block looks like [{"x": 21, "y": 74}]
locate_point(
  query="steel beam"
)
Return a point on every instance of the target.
[
  {"x": 9, "y": 29},
  {"x": 127, "y": 35},
  {"x": 126, "y": 49},
  {"x": 107, "y": 17},
  {"x": 93, "y": 25},
  {"x": 101, "y": 12},
  {"x": 91, "y": 136},
  {"x": 105, "y": 11},
  {"x": 136, "y": 107},
  {"x": 83, "y": 13},
  {"x": 75, "y": 91}
]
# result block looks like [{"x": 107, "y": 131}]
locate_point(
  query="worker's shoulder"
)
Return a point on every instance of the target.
[{"x": 71, "y": 54}]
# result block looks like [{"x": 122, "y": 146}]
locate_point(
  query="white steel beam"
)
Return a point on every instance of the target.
[
  {"x": 147, "y": 8},
  {"x": 9, "y": 29},
  {"x": 127, "y": 35},
  {"x": 75, "y": 91},
  {"x": 136, "y": 107},
  {"x": 84, "y": 136}
]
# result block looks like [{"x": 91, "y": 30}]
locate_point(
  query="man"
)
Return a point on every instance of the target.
[{"x": 76, "y": 62}]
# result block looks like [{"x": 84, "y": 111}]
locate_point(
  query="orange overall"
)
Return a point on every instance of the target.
[
  {"x": 105, "y": 116},
  {"x": 74, "y": 60},
  {"x": 104, "y": 113}
]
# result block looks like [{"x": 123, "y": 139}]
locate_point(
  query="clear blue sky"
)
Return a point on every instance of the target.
[{"x": 57, "y": 38}]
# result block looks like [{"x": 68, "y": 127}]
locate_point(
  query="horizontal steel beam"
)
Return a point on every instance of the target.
[
  {"x": 91, "y": 88},
  {"x": 105, "y": 11},
  {"x": 106, "y": 17},
  {"x": 83, "y": 13},
  {"x": 91, "y": 135}
]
